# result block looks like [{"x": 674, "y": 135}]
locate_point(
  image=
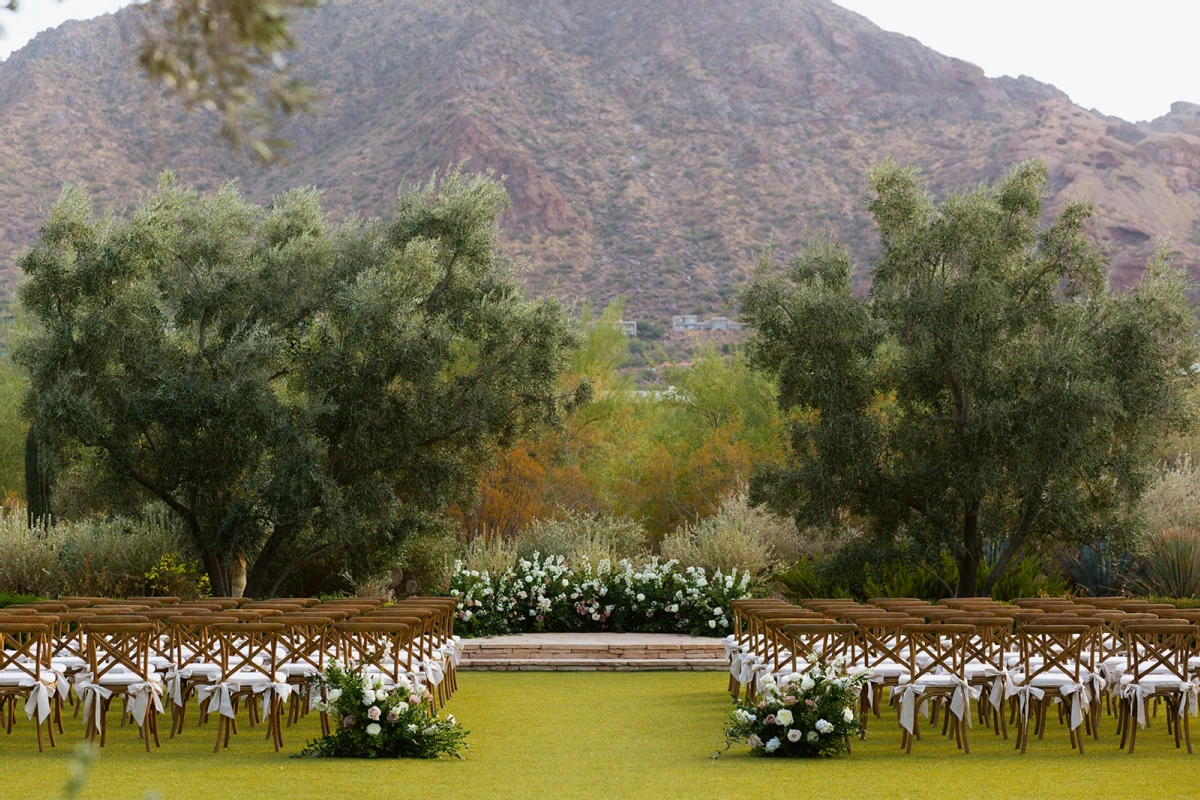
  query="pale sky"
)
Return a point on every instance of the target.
[{"x": 1130, "y": 60}]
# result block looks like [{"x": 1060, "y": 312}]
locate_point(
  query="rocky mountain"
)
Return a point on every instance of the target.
[{"x": 650, "y": 148}]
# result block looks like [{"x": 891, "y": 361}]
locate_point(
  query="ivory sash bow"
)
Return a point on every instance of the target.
[
  {"x": 219, "y": 697},
  {"x": 1024, "y": 694},
  {"x": 174, "y": 684},
  {"x": 1188, "y": 693},
  {"x": 38, "y": 702},
  {"x": 93, "y": 696},
  {"x": 434, "y": 672},
  {"x": 913, "y": 699},
  {"x": 141, "y": 695},
  {"x": 1077, "y": 695},
  {"x": 282, "y": 689}
]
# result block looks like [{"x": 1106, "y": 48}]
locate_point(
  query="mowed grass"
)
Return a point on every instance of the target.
[{"x": 606, "y": 735}]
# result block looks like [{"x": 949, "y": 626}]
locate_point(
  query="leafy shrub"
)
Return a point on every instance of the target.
[
  {"x": 1171, "y": 565},
  {"x": 1096, "y": 571},
  {"x": 118, "y": 557},
  {"x": 1172, "y": 501},
  {"x": 548, "y": 594},
  {"x": 578, "y": 537},
  {"x": 737, "y": 536},
  {"x": 28, "y": 558},
  {"x": 11, "y": 599}
]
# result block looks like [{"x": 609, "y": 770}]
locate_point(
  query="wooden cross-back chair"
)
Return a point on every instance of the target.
[
  {"x": 441, "y": 648},
  {"x": 986, "y": 651},
  {"x": 1054, "y": 665},
  {"x": 937, "y": 660},
  {"x": 195, "y": 653},
  {"x": 119, "y": 666},
  {"x": 249, "y": 669},
  {"x": 814, "y": 642},
  {"x": 384, "y": 647},
  {"x": 774, "y": 649},
  {"x": 738, "y": 644},
  {"x": 26, "y": 675},
  {"x": 305, "y": 643},
  {"x": 1159, "y": 657},
  {"x": 882, "y": 640}
]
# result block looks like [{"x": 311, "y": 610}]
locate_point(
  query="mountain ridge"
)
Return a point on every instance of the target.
[{"x": 651, "y": 149}]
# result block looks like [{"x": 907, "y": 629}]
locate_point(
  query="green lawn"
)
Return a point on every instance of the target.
[{"x": 607, "y": 735}]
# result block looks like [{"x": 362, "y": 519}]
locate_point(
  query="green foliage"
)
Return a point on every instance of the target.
[
  {"x": 288, "y": 387},
  {"x": 370, "y": 720},
  {"x": 577, "y": 537},
  {"x": 1171, "y": 565},
  {"x": 1096, "y": 571},
  {"x": 13, "y": 428},
  {"x": 807, "y": 714},
  {"x": 12, "y": 598},
  {"x": 738, "y": 536},
  {"x": 120, "y": 557},
  {"x": 990, "y": 391}
]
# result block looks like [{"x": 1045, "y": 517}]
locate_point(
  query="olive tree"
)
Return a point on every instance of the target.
[
  {"x": 990, "y": 393},
  {"x": 287, "y": 386}
]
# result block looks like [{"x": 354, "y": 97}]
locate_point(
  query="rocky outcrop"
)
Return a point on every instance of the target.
[{"x": 650, "y": 149}]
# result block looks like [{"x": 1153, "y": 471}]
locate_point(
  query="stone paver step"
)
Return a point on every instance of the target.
[
  {"x": 592, "y": 664},
  {"x": 593, "y": 651}
]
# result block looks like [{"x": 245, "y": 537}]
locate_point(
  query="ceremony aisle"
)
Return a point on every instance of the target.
[{"x": 596, "y": 735}]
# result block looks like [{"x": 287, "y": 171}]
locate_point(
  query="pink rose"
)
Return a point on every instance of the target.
[
  {"x": 770, "y": 720},
  {"x": 373, "y": 713},
  {"x": 789, "y": 700},
  {"x": 348, "y": 721},
  {"x": 810, "y": 703},
  {"x": 413, "y": 700},
  {"x": 393, "y": 715},
  {"x": 762, "y": 706}
]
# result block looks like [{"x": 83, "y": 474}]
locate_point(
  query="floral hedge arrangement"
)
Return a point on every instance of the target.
[
  {"x": 546, "y": 594},
  {"x": 806, "y": 714},
  {"x": 370, "y": 720}
]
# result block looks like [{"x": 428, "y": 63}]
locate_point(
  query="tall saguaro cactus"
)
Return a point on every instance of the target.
[{"x": 38, "y": 480}]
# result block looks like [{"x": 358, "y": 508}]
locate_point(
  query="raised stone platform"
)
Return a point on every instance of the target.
[{"x": 624, "y": 652}]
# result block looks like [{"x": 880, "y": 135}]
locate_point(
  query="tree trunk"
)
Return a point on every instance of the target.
[
  {"x": 38, "y": 480},
  {"x": 258, "y": 579},
  {"x": 969, "y": 556},
  {"x": 218, "y": 577},
  {"x": 237, "y": 575}
]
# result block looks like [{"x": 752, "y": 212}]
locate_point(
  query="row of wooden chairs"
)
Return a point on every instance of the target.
[
  {"x": 224, "y": 652},
  {"x": 1032, "y": 654}
]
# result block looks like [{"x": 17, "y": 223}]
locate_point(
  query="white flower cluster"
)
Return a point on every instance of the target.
[{"x": 547, "y": 594}]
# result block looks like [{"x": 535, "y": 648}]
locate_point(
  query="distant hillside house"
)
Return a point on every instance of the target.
[
  {"x": 689, "y": 322},
  {"x": 628, "y": 327}
]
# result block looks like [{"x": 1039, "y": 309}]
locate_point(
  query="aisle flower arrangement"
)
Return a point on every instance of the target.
[
  {"x": 372, "y": 720},
  {"x": 546, "y": 594},
  {"x": 805, "y": 714}
]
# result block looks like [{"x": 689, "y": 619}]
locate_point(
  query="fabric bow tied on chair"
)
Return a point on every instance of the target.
[
  {"x": 38, "y": 702},
  {"x": 219, "y": 697},
  {"x": 1024, "y": 695},
  {"x": 141, "y": 695},
  {"x": 910, "y": 699},
  {"x": 1077, "y": 695},
  {"x": 434, "y": 672},
  {"x": 280, "y": 688},
  {"x": 960, "y": 701},
  {"x": 1134, "y": 694},
  {"x": 1188, "y": 694},
  {"x": 93, "y": 696}
]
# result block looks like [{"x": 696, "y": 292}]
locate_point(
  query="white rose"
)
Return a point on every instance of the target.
[
  {"x": 783, "y": 718},
  {"x": 772, "y": 744},
  {"x": 641, "y": 597},
  {"x": 812, "y": 736},
  {"x": 712, "y": 623},
  {"x": 374, "y": 729},
  {"x": 824, "y": 726},
  {"x": 848, "y": 714},
  {"x": 368, "y": 697},
  {"x": 794, "y": 735},
  {"x": 807, "y": 683}
]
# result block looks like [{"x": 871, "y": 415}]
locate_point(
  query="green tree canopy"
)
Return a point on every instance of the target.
[
  {"x": 990, "y": 390},
  {"x": 288, "y": 386}
]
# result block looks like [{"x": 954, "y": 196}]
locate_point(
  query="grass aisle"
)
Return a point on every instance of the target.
[{"x": 605, "y": 735}]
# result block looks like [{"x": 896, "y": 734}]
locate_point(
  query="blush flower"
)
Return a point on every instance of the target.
[{"x": 373, "y": 713}]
